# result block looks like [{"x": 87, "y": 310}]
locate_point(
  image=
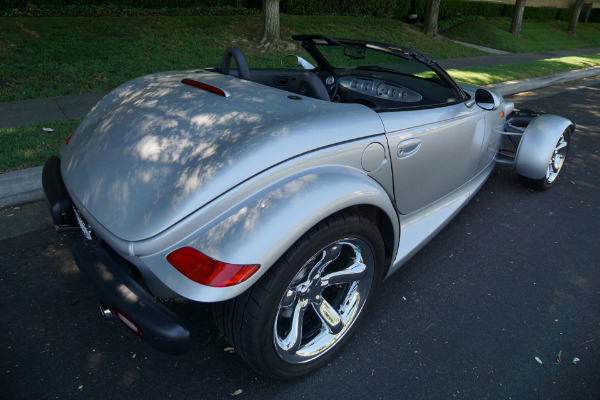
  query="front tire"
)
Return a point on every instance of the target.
[
  {"x": 557, "y": 160},
  {"x": 307, "y": 306}
]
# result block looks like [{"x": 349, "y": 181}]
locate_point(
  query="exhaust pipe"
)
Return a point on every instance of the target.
[{"x": 105, "y": 311}]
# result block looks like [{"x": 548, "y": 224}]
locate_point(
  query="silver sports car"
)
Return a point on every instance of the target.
[{"x": 284, "y": 196}]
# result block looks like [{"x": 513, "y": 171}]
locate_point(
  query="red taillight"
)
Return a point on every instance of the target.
[
  {"x": 206, "y": 86},
  {"x": 128, "y": 322},
  {"x": 208, "y": 271},
  {"x": 69, "y": 138}
]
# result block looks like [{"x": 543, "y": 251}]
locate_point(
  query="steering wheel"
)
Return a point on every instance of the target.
[
  {"x": 240, "y": 60},
  {"x": 329, "y": 79},
  {"x": 316, "y": 87}
]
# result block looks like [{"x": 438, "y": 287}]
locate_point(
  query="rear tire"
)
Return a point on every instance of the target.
[
  {"x": 307, "y": 306},
  {"x": 557, "y": 161}
]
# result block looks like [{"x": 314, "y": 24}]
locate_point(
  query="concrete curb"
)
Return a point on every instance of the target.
[
  {"x": 21, "y": 186},
  {"x": 26, "y": 185}
]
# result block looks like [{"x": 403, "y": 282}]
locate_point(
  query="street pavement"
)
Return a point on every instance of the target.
[{"x": 513, "y": 279}]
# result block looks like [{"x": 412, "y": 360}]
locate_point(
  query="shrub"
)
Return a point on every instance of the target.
[{"x": 371, "y": 8}]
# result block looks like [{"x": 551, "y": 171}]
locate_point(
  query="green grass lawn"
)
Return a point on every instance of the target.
[
  {"x": 30, "y": 145},
  {"x": 53, "y": 56},
  {"x": 537, "y": 35},
  {"x": 502, "y": 73}
]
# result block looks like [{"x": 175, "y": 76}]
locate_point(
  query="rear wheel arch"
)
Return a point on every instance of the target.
[{"x": 386, "y": 228}]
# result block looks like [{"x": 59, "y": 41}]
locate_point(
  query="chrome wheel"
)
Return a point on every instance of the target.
[
  {"x": 311, "y": 301},
  {"x": 557, "y": 160},
  {"x": 323, "y": 300}
]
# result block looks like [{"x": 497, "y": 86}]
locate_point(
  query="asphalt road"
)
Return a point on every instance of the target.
[{"x": 515, "y": 276}]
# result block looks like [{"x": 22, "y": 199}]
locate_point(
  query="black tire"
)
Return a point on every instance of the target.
[
  {"x": 258, "y": 323},
  {"x": 557, "y": 161}
]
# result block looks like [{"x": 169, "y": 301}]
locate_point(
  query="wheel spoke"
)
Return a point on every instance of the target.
[
  {"x": 289, "y": 298},
  {"x": 351, "y": 274},
  {"x": 558, "y": 162},
  {"x": 329, "y": 255},
  {"x": 561, "y": 145},
  {"x": 292, "y": 341},
  {"x": 329, "y": 316}
]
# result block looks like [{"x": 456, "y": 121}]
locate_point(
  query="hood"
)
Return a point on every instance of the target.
[{"x": 155, "y": 150}]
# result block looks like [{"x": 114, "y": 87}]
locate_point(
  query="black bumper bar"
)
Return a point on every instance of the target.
[
  {"x": 118, "y": 289},
  {"x": 61, "y": 206},
  {"x": 115, "y": 279}
]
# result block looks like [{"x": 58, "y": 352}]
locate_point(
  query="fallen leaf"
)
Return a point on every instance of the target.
[
  {"x": 239, "y": 391},
  {"x": 538, "y": 360},
  {"x": 80, "y": 387}
]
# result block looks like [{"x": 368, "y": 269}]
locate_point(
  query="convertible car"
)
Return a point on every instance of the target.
[{"x": 284, "y": 196}]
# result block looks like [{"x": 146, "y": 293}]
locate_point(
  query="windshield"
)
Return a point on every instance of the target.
[
  {"x": 380, "y": 75},
  {"x": 374, "y": 58}
]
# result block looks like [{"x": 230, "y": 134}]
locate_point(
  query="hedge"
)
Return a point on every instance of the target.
[
  {"x": 153, "y": 4},
  {"x": 449, "y": 9},
  {"x": 372, "y": 8}
]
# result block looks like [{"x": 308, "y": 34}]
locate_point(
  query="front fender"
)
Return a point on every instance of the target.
[
  {"x": 538, "y": 143},
  {"x": 261, "y": 229}
]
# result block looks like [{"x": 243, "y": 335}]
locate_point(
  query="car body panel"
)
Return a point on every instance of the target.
[
  {"x": 434, "y": 170},
  {"x": 419, "y": 227},
  {"x": 156, "y": 150},
  {"x": 262, "y": 228}
]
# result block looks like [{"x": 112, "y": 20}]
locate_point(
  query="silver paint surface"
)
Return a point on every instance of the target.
[{"x": 156, "y": 150}]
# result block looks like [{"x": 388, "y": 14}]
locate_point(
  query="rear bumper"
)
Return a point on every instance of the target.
[{"x": 115, "y": 279}]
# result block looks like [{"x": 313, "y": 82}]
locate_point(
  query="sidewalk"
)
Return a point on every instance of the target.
[
  {"x": 25, "y": 185},
  {"x": 511, "y": 58}
]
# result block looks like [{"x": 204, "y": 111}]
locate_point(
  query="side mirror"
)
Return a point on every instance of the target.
[
  {"x": 293, "y": 61},
  {"x": 354, "y": 52},
  {"x": 487, "y": 100}
]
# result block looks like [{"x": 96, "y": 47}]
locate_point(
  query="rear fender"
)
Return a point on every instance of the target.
[
  {"x": 260, "y": 230},
  {"x": 538, "y": 143}
]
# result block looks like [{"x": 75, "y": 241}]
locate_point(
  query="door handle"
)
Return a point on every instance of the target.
[{"x": 408, "y": 147}]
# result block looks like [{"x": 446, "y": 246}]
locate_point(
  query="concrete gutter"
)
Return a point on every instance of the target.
[{"x": 26, "y": 185}]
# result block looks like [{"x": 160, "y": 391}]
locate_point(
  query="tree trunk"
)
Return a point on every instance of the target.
[
  {"x": 575, "y": 17},
  {"x": 431, "y": 17},
  {"x": 270, "y": 21},
  {"x": 517, "y": 20}
]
